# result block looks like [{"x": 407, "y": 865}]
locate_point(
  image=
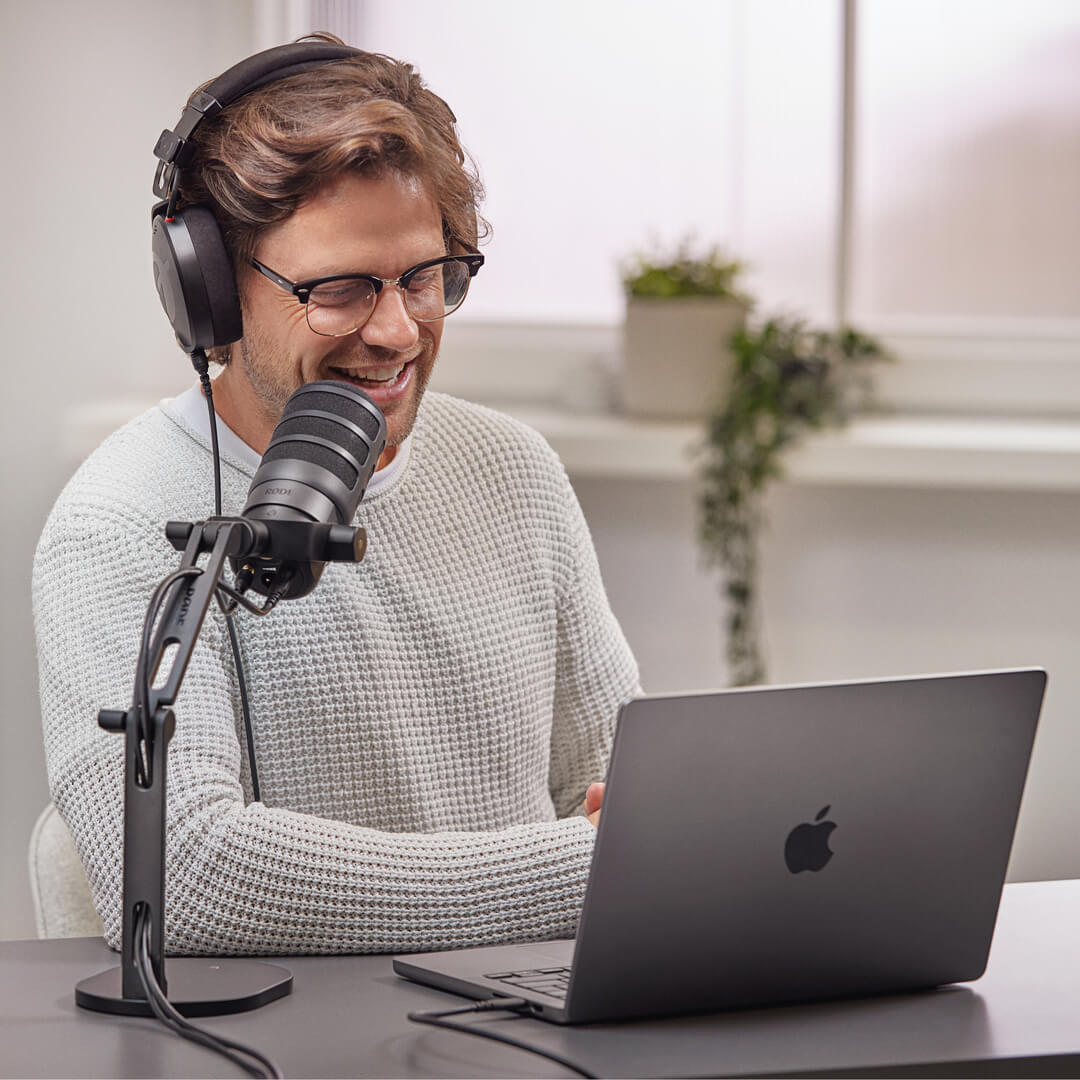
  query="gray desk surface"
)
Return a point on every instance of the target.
[{"x": 346, "y": 1017}]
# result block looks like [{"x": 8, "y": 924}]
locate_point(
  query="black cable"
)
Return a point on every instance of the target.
[
  {"x": 202, "y": 369},
  {"x": 239, "y": 600},
  {"x": 514, "y": 1005},
  {"x": 165, "y": 1011},
  {"x": 241, "y": 682}
]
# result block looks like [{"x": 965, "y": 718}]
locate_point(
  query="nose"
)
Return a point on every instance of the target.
[{"x": 390, "y": 325}]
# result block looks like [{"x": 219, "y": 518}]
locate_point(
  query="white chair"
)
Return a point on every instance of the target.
[{"x": 62, "y": 903}]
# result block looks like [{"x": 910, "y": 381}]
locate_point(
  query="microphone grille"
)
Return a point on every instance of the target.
[
  {"x": 300, "y": 449},
  {"x": 333, "y": 426},
  {"x": 321, "y": 455},
  {"x": 345, "y": 419},
  {"x": 341, "y": 399}
]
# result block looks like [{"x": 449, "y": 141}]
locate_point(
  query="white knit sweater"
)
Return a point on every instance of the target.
[{"x": 426, "y": 721}]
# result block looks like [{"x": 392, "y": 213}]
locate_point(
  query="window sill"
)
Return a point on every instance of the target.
[
  {"x": 888, "y": 451},
  {"x": 892, "y": 451}
]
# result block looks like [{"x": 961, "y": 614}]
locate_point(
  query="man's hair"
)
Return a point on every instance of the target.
[{"x": 263, "y": 156}]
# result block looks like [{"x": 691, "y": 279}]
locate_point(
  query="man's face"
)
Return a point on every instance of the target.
[{"x": 354, "y": 225}]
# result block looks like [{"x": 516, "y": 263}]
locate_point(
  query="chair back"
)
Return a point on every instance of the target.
[{"x": 63, "y": 906}]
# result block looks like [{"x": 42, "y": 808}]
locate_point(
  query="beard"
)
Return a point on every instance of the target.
[
  {"x": 275, "y": 380},
  {"x": 271, "y": 386}
]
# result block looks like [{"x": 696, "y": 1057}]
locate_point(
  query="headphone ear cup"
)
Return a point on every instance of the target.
[{"x": 195, "y": 279}]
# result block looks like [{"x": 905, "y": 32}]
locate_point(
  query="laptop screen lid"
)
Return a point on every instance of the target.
[
  {"x": 786, "y": 843},
  {"x": 778, "y": 844}
]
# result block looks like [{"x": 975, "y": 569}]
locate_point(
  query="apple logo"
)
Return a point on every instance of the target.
[{"x": 807, "y": 846}]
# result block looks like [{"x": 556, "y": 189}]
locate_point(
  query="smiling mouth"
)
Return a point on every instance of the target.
[{"x": 373, "y": 378}]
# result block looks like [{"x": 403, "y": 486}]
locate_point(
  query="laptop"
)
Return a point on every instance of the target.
[{"x": 779, "y": 844}]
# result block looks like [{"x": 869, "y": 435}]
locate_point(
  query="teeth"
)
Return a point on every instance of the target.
[{"x": 371, "y": 375}]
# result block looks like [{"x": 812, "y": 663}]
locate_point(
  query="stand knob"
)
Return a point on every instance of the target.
[{"x": 112, "y": 719}]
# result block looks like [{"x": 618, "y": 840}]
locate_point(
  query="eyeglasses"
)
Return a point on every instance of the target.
[{"x": 340, "y": 305}]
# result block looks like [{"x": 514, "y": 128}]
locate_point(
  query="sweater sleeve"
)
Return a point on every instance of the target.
[
  {"x": 595, "y": 669},
  {"x": 247, "y": 878}
]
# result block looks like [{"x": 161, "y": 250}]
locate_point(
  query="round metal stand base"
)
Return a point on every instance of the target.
[{"x": 197, "y": 986}]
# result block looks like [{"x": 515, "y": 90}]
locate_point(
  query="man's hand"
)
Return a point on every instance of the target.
[{"x": 594, "y": 796}]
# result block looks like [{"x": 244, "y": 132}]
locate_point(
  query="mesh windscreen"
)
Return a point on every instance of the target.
[
  {"x": 297, "y": 450},
  {"x": 339, "y": 435},
  {"x": 339, "y": 405}
]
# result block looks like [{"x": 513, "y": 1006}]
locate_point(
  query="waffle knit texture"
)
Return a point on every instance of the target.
[{"x": 426, "y": 721}]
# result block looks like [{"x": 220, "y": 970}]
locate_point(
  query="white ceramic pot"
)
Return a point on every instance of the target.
[{"x": 676, "y": 355}]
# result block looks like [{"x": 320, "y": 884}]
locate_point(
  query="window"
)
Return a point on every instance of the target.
[{"x": 942, "y": 213}]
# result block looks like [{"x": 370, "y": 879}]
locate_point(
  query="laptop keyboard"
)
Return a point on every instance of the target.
[{"x": 551, "y": 981}]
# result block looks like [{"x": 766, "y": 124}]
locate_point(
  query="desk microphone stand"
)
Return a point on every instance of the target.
[{"x": 197, "y": 986}]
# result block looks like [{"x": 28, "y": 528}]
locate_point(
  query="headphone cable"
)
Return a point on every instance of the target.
[{"x": 202, "y": 369}]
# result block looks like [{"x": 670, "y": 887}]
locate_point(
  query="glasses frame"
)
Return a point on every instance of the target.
[{"x": 302, "y": 289}]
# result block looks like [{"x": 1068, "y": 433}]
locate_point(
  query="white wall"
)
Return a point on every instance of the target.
[
  {"x": 88, "y": 88},
  {"x": 860, "y": 582}
]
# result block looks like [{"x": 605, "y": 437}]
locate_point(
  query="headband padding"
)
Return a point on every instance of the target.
[{"x": 273, "y": 64}]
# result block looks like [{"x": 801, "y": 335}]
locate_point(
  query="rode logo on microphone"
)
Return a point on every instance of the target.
[{"x": 277, "y": 491}]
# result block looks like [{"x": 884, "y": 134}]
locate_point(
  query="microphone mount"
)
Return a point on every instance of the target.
[
  {"x": 315, "y": 541},
  {"x": 284, "y": 553}
]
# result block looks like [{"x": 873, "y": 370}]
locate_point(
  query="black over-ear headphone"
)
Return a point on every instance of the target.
[{"x": 192, "y": 269}]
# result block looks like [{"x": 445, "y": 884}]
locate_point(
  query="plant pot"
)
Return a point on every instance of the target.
[{"x": 677, "y": 355}]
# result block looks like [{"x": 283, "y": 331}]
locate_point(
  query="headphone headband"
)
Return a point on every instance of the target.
[{"x": 173, "y": 148}]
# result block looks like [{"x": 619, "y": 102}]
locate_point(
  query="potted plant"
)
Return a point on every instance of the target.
[
  {"x": 682, "y": 308},
  {"x": 786, "y": 379}
]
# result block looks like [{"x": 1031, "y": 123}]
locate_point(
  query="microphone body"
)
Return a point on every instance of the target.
[{"x": 315, "y": 470}]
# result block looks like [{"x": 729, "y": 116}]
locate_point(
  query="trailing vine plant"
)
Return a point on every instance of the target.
[{"x": 786, "y": 380}]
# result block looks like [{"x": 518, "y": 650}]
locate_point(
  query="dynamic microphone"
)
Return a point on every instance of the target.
[{"x": 315, "y": 470}]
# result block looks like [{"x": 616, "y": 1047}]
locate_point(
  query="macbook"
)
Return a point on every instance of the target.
[{"x": 784, "y": 843}]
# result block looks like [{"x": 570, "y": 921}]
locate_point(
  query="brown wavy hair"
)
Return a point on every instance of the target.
[{"x": 260, "y": 158}]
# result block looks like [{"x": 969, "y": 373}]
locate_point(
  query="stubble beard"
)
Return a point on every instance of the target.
[
  {"x": 263, "y": 369},
  {"x": 258, "y": 361}
]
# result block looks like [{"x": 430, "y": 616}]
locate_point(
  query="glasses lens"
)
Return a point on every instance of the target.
[
  {"x": 436, "y": 291},
  {"x": 338, "y": 307}
]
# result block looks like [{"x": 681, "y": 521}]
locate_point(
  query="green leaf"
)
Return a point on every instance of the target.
[{"x": 665, "y": 275}]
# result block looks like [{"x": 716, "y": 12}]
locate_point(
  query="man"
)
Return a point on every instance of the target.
[{"x": 427, "y": 723}]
